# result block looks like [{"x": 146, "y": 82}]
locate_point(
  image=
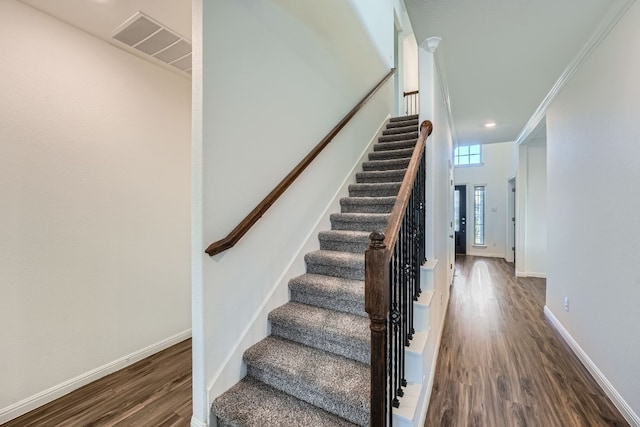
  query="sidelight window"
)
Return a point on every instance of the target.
[{"x": 478, "y": 214}]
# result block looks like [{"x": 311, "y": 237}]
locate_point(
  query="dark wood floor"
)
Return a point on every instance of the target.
[
  {"x": 153, "y": 392},
  {"x": 501, "y": 363}
]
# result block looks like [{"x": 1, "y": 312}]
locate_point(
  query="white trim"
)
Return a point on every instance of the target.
[
  {"x": 197, "y": 423},
  {"x": 444, "y": 88},
  {"x": 608, "y": 388},
  {"x": 297, "y": 259},
  {"x": 50, "y": 394},
  {"x": 585, "y": 53},
  {"x": 434, "y": 362},
  {"x": 531, "y": 274}
]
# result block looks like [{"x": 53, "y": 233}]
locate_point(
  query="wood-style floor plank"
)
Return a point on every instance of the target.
[
  {"x": 155, "y": 391},
  {"x": 502, "y": 363}
]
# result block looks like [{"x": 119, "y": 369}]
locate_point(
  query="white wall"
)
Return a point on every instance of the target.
[
  {"x": 410, "y": 47},
  {"x": 593, "y": 129},
  {"x": 276, "y": 77},
  {"x": 532, "y": 213},
  {"x": 494, "y": 173},
  {"x": 94, "y": 225}
]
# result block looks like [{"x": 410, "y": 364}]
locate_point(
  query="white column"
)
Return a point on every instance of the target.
[{"x": 427, "y": 81}]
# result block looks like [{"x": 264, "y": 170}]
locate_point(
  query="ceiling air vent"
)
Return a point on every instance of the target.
[{"x": 150, "y": 39}]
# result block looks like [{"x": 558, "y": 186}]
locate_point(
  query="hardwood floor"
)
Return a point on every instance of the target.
[
  {"x": 153, "y": 392},
  {"x": 501, "y": 363}
]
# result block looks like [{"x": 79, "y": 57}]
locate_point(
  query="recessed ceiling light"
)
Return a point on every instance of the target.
[{"x": 490, "y": 125}]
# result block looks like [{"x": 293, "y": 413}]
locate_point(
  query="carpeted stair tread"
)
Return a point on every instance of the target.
[
  {"x": 404, "y": 153},
  {"x": 403, "y": 118},
  {"x": 396, "y": 130},
  {"x": 333, "y": 263},
  {"x": 396, "y": 145},
  {"x": 344, "y": 240},
  {"x": 339, "y": 333},
  {"x": 335, "y": 293},
  {"x": 367, "y": 204},
  {"x": 252, "y": 403},
  {"x": 394, "y": 175},
  {"x": 399, "y": 137},
  {"x": 359, "y": 221},
  {"x": 384, "y": 165},
  {"x": 374, "y": 189},
  {"x": 333, "y": 383},
  {"x": 402, "y": 123}
]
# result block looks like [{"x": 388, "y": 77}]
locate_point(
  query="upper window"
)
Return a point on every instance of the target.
[{"x": 467, "y": 155}]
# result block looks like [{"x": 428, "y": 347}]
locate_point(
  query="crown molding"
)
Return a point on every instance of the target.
[{"x": 608, "y": 23}]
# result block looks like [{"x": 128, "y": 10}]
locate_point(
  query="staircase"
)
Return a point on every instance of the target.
[{"x": 313, "y": 369}]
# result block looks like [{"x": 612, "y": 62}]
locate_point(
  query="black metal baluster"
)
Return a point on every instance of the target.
[{"x": 395, "y": 318}]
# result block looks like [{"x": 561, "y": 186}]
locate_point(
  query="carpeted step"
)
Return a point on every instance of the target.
[
  {"x": 333, "y": 263},
  {"x": 344, "y": 240},
  {"x": 380, "y": 176},
  {"x": 359, "y": 221},
  {"x": 334, "y": 293},
  {"x": 399, "y": 137},
  {"x": 396, "y": 130},
  {"x": 367, "y": 204},
  {"x": 376, "y": 189},
  {"x": 332, "y": 383},
  {"x": 402, "y": 123},
  {"x": 339, "y": 333},
  {"x": 399, "y": 145},
  {"x": 384, "y": 165},
  {"x": 404, "y": 153},
  {"x": 252, "y": 403},
  {"x": 404, "y": 118}
]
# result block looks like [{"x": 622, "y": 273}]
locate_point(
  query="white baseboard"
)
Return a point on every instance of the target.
[
  {"x": 197, "y": 423},
  {"x": 531, "y": 274},
  {"x": 46, "y": 396},
  {"x": 608, "y": 388}
]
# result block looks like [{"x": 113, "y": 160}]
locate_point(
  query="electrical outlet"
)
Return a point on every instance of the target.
[{"x": 566, "y": 303}]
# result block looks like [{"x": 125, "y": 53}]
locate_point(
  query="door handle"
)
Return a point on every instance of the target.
[{"x": 451, "y": 235}]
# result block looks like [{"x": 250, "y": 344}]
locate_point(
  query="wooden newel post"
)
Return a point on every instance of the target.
[{"x": 376, "y": 302}]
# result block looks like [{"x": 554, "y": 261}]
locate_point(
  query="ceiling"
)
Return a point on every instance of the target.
[
  {"x": 102, "y": 17},
  {"x": 501, "y": 58}
]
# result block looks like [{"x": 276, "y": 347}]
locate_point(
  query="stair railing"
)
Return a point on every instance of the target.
[
  {"x": 245, "y": 225},
  {"x": 411, "y": 103},
  {"x": 392, "y": 284}
]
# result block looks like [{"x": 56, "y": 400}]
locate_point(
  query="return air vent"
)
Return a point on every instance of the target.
[{"x": 152, "y": 40}]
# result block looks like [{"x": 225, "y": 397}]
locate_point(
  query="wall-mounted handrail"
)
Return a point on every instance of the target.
[
  {"x": 245, "y": 225},
  {"x": 392, "y": 284}
]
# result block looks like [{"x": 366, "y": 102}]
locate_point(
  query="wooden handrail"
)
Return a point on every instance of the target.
[
  {"x": 413, "y": 92},
  {"x": 377, "y": 275},
  {"x": 241, "y": 229}
]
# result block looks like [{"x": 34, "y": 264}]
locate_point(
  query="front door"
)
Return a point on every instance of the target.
[{"x": 460, "y": 218}]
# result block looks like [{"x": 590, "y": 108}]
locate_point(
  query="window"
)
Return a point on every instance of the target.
[
  {"x": 467, "y": 155},
  {"x": 478, "y": 215}
]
